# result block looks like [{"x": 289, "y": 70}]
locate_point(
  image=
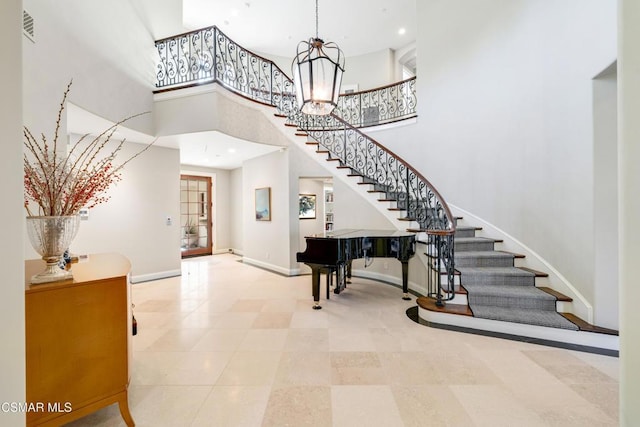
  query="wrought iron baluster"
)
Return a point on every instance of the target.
[
  {"x": 209, "y": 53},
  {"x": 407, "y": 194},
  {"x": 344, "y": 143}
]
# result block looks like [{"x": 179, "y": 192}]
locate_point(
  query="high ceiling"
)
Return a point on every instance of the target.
[
  {"x": 270, "y": 27},
  {"x": 276, "y": 26}
]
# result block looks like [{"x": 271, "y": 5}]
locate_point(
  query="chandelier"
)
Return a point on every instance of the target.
[{"x": 317, "y": 73}]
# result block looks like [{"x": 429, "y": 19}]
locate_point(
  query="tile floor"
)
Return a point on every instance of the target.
[{"x": 228, "y": 344}]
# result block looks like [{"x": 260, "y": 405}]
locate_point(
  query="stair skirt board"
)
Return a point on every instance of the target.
[
  {"x": 546, "y": 318},
  {"x": 557, "y": 337}
]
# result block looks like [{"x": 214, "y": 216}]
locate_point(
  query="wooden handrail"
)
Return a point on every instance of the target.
[{"x": 409, "y": 167}]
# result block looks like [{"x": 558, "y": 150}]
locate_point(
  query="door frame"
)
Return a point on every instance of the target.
[{"x": 208, "y": 249}]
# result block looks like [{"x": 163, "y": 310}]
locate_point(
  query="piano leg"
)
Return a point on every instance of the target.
[
  {"x": 405, "y": 280},
  {"x": 315, "y": 284},
  {"x": 329, "y": 279},
  {"x": 341, "y": 278}
]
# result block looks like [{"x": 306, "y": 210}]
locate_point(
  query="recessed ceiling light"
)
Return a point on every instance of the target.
[
  {"x": 402, "y": 31},
  {"x": 234, "y": 12},
  {"x": 231, "y": 150}
]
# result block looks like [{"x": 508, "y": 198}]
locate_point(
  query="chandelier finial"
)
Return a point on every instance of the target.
[{"x": 317, "y": 19}]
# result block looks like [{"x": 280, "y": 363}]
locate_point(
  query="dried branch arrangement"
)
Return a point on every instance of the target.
[{"x": 61, "y": 185}]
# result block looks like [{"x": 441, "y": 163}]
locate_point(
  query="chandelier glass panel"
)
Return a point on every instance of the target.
[{"x": 317, "y": 74}]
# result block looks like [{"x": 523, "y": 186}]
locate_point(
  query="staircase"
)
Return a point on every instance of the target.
[
  {"x": 498, "y": 290},
  {"x": 479, "y": 281},
  {"x": 486, "y": 283}
]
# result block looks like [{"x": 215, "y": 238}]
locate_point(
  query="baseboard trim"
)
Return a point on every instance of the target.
[
  {"x": 139, "y": 278},
  {"x": 271, "y": 267},
  {"x": 223, "y": 251},
  {"x": 565, "y": 338}
]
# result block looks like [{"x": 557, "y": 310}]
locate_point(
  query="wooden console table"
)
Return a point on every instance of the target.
[{"x": 78, "y": 341}]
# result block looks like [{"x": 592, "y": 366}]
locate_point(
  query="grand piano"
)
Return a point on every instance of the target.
[{"x": 333, "y": 252}]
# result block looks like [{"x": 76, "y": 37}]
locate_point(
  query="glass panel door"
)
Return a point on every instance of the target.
[{"x": 195, "y": 215}]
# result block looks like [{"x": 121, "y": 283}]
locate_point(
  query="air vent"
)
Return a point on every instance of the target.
[{"x": 27, "y": 26}]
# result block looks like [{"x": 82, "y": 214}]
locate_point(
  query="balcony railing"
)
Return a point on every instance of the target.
[
  {"x": 208, "y": 56},
  {"x": 379, "y": 106}
]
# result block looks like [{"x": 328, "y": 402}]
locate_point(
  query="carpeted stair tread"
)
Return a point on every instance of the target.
[
  {"x": 506, "y": 276},
  {"x": 523, "y": 297},
  {"x": 510, "y": 291},
  {"x": 510, "y": 271},
  {"x": 466, "y": 231},
  {"x": 549, "y": 319},
  {"x": 473, "y": 244},
  {"x": 473, "y": 239},
  {"x": 484, "y": 254},
  {"x": 483, "y": 259}
]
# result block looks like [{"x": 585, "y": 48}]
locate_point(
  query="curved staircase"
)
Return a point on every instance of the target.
[{"x": 479, "y": 282}]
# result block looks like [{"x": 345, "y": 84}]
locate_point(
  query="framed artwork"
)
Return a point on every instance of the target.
[
  {"x": 263, "y": 204},
  {"x": 307, "y": 206}
]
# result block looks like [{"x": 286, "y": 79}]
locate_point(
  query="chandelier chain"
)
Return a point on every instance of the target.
[{"x": 317, "y": 19}]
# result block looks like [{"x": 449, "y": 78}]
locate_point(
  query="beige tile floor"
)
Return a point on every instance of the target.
[{"x": 228, "y": 344}]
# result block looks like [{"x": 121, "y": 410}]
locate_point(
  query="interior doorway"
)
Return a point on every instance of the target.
[{"x": 195, "y": 215}]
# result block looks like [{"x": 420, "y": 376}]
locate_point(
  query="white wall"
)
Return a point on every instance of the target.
[
  {"x": 505, "y": 127},
  {"x": 112, "y": 68},
  {"x": 351, "y": 210},
  {"x": 266, "y": 243},
  {"x": 133, "y": 221},
  {"x": 12, "y": 364},
  {"x": 370, "y": 71}
]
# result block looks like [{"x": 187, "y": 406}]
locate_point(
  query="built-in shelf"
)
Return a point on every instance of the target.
[{"x": 328, "y": 210}]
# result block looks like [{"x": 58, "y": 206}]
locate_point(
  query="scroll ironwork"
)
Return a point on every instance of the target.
[{"x": 209, "y": 56}]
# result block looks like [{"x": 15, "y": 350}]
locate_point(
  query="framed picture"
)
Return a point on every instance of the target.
[
  {"x": 263, "y": 204},
  {"x": 307, "y": 206}
]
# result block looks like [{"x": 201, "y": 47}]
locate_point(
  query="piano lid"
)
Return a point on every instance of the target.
[{"x": 357, "y": 233}]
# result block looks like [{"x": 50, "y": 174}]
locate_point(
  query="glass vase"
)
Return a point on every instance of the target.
[{"x": 50, "y": 236}]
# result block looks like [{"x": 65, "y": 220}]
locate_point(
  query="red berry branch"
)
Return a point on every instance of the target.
[{"x": 62, "y": 185}]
